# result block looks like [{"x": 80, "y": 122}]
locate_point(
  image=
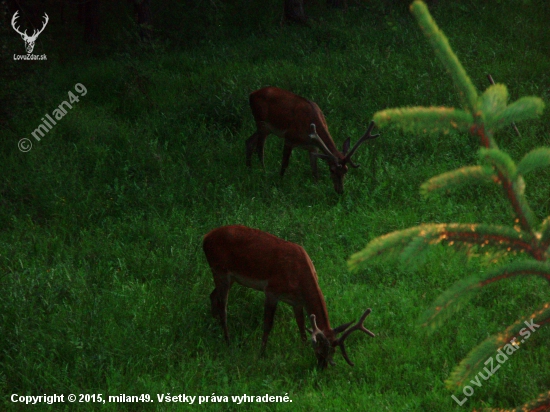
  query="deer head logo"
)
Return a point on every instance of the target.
[{"x": 29, "y": 40}]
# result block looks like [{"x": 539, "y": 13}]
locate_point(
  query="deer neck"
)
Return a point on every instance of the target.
[
  {"x": 329, "y": 142},
  {"x": 317, "y": 306},
  {"x": 315, "y": 301},
  {"x": 322, "y": 129}
]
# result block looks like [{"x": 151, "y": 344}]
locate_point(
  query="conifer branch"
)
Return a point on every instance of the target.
[
  {"x": 387, "y": 245},
  {"x": 443, "y": 50},
  {"x": 408, "y": 245},
  {"x": 513, "y": 124},
  {"x": 484, "y": 235},
  {"x": 536, "y": 158},
  {"x": 425, "y": 119},
  {"x": 513, "y": 184},
  {"x": 481, "y": 117},
  {"x": 492, "y": 102},
  {"x": 541, "y": 404},
  {"x": 458, "y": 295},
  {"x": 485, "y": 136},
  {"x": 464, "y": 176},
  {"x": 513, "y": 189},
  {"x": 501, "y": 160},
  {"x": 522, "y": 109},
  {"x": 505, "y": 343},
  {"x": 449, "y": 303}
]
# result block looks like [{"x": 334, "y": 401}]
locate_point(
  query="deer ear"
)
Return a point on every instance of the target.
[{"x": 345, "y": 148}]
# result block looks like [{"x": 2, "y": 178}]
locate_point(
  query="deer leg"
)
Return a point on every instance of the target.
[
  {"x": 269, "y": 316},
  {"x": 300, "y": 320},
  {"x": 313, "y": 163},
  {"x": 287, "y": 150},
  {"x": 218, "y": 300},
  {"x": 260, "y": 148},
  {"x": 251, "y": 144}
]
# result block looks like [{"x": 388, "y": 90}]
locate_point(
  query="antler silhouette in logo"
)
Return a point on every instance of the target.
[{"x": 29, "y": 40}]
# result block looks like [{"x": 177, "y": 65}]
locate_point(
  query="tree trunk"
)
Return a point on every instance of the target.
[
  {"x": 294, "y": 11},
  {"x": 89, "y": 12},
  {"x": 143, "y": 11},
  {"x": 339, "y": 4}
]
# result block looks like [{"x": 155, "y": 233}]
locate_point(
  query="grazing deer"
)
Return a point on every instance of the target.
[
  {"x": 302, "y": 124},
  {"x": 283, "y": 271}
]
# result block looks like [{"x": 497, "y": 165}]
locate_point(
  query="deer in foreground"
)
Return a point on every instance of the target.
[
  {"x": 301, "y": 123},
  {"x": 284, "y": 272}
]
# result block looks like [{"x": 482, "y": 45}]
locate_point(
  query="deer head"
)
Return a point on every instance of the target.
[
  {"x": 326, "y": 346},
  {"x": 338, "y": 165}
]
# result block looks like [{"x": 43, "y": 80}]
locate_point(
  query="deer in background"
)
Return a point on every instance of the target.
[
  {"x": 301, "y": 123},
  {"x": 284, "y": 272}
]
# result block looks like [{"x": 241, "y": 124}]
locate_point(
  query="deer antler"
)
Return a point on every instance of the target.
[
  {"x": 14, "y": 18},
  {"x": 328, "y": 155},
  {"x": 357, "y": 326},
  {"x": 37, "y": 32},
  {"x": 322, "y": 342},
  {"x": 366, "y": 136},
  {"x": 24, "y": 34},
  {"x": 315, "y": 329}
]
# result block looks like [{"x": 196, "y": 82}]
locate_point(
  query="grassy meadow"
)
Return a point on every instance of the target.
[{"x": 104, "y": 284}]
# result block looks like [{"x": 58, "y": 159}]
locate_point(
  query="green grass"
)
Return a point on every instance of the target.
[{"x": 104, "y": 283}]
